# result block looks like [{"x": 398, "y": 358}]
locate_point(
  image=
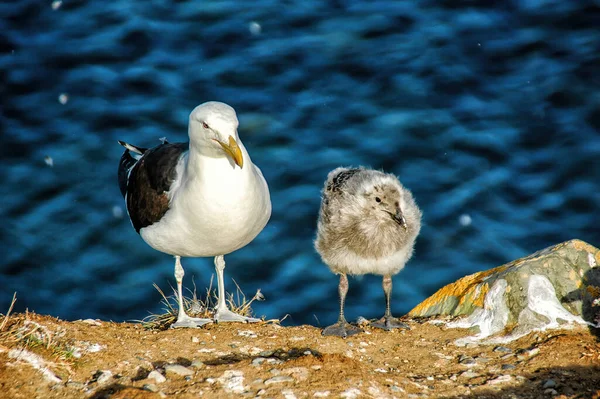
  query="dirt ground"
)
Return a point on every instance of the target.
[{"x": 43, "y": 357}]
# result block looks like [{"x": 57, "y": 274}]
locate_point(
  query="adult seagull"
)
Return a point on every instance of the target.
[{"x": 205, "y": 198}]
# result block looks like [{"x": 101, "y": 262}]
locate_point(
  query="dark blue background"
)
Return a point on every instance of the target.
[{"x": 486, "y": 110}]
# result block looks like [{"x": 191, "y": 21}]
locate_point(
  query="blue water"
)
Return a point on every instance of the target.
[{"x": 489, "y": 114}]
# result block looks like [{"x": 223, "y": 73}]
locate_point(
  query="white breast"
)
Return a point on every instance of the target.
[{"x": 215, "y": 209}]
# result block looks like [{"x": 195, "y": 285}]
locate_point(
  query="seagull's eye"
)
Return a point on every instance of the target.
[
  {"x": 377, "y": 199},
  {"x": 204, "y": 125}
]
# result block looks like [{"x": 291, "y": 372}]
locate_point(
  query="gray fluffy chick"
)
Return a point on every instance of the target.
[{"x": 368, "y": 223}]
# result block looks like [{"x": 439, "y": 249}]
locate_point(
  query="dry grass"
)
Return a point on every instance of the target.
[
  {"x": 22, "y": 331},
  {"x": 200, "y": 307}
]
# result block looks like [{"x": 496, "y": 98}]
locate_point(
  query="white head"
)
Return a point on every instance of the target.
[{"x": 213, "y": 131}]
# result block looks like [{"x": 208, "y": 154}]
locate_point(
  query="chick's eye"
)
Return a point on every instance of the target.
[
  {"x": 377, "y": 199},
  {"x": 204, "y": 125}
]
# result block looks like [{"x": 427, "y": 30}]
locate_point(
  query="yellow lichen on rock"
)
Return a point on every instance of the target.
[{"x": 463, "y": 290}]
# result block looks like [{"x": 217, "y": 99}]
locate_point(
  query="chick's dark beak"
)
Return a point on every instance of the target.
[{"x": 399, "y": 218}]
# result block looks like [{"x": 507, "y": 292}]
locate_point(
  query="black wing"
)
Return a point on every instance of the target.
[{"x": 149, "y": 181}]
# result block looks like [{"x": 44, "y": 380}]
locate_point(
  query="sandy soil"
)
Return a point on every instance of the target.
[{"x": 99, "y": 359}]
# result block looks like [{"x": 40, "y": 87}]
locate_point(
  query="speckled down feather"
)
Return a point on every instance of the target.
[{"x": 357, "y": 233}]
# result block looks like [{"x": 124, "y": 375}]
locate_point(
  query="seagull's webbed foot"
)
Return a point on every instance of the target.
[
  {"x": 341, "y": 329},
  {"x": 226, "y": 315},
  {"x": 389, "y": 323},
  {"x": 186, "y": 321}
]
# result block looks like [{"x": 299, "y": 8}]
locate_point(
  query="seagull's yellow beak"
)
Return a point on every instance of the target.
[{"x": 233, "y": 150}]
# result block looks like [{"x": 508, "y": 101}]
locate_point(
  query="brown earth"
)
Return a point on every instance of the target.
[{"x": 268, "y": 360}]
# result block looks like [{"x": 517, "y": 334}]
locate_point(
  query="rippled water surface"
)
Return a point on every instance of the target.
[{"x": 489, "y": 114}]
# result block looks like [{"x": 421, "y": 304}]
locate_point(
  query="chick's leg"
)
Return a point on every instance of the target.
[
  {"x": 388, "y": 322},
  {"x": 342, "y": 328}
]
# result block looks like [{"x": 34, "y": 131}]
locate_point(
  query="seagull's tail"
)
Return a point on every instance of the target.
[
  {"x": 132, "y": 148},
  {"x": 127, "y": 162}
]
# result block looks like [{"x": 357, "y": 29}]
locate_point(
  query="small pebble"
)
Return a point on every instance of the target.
[
  {"x": 178, "y": 369},
  {"x": 502, "y": 349},
  {"x": 156, "y": 376},
  {"x": 522, "y": 354},
  {"x": 549, "y": 384},
  {"x": 266, "y": 353},
  {"x": 258, "y": 361},
  {"x": 321, "y": 394},
  {"x": 288, "y": 394},
  {"x": 104, "y": 377},
  {"x": 469, "y": 374},
  {"x": 508, "y": 367},
  {"x": 278, "y": 379},
  {"x": 150, "y": 387},
  {"x": 197, "y": 364},
  {"x": 351, "y": 393},
  {"x": 499, "y": 380},
  {"x": 550, "y": 392},
  {"x": 195, "y": 340}
]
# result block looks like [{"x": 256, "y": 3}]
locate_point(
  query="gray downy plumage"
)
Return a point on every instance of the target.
[{"x": 368, "y": 223}]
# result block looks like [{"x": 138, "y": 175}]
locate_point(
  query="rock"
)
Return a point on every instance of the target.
[
  {"x": 299, "y": 373},
  {"x": 279, "y": 379},
  {"x": 150, "y": 387},
  {"x": 502, "y": 349},
  {"x": 508, "y": 367},
  {"x": 103, "y": 377},
  {"x": 527, "y": 353},
  {"x": 321, "y": 394},
  {"x": 258, "y": 361},
  {"x": 499, "y": 380},
  {"x": 232, "y": 381},
  {"x": 469, "y": 374},
  {"x": 178, "y": 369},
  {"x": 542, "y": 290},
  {"x": 156, "y": 376},
  {"x": 466, "y": 360},
  {"x": 197, "y": 364},
  {"x": 247, "y": 334},
  {"x": 549, "y": 384},
  {"x": 351, "y": 393},
  {"x": 288, "y": 394}
]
